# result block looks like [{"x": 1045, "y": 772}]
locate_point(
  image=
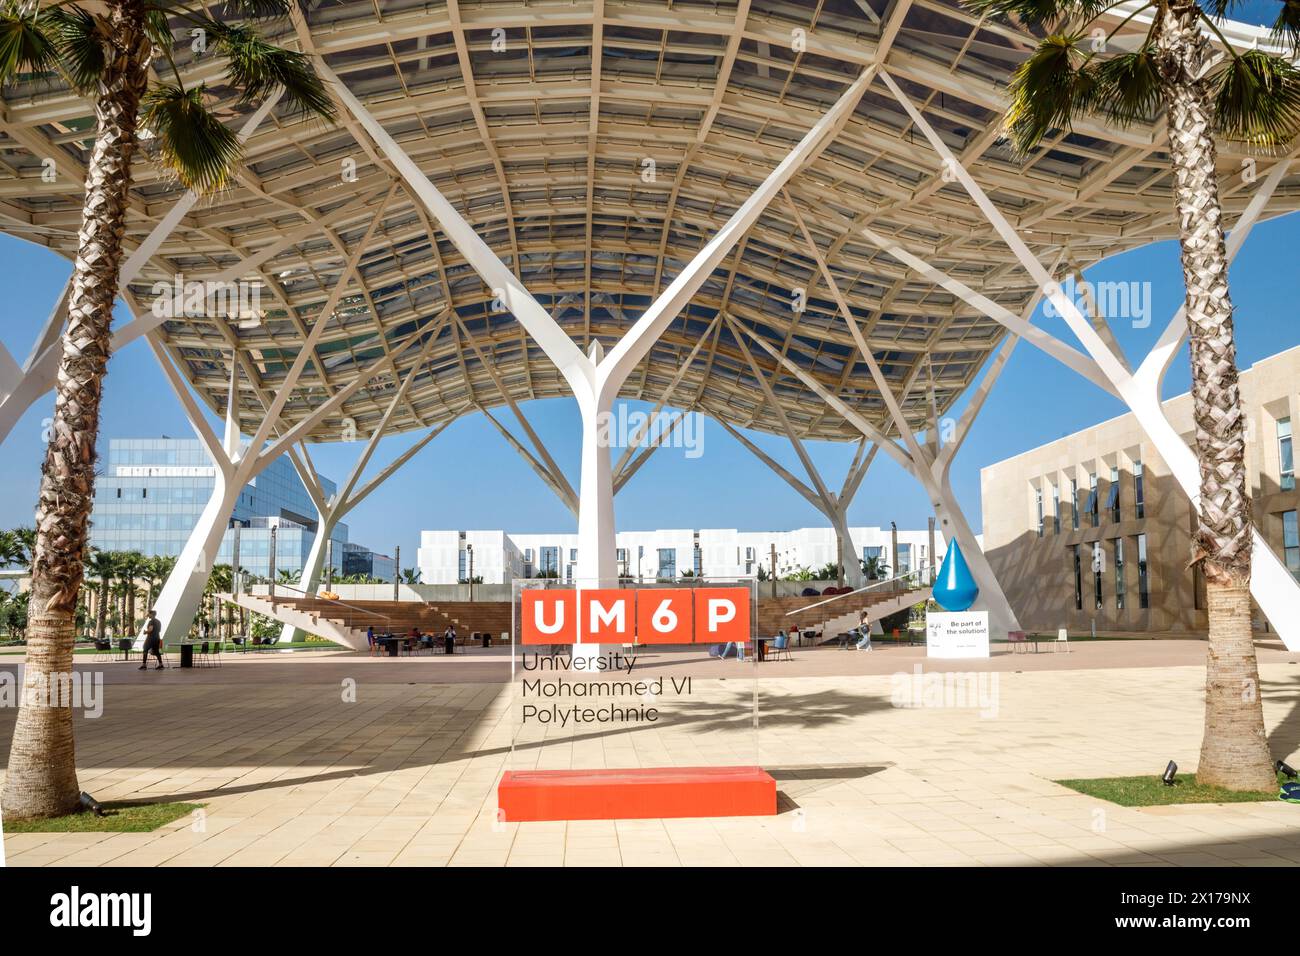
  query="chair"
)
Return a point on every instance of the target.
[
  {"x": 1063, "y": 640},
  {"x": 1018, "y": 641},
  {"x": 214, "y": 654},
  {"x": 202, "y": 654},
  {"x": 782, "y": 646}
]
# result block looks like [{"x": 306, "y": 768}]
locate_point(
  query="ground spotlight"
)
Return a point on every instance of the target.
[
  {"x": 1171, "y": 771},
  {"x": 90, "y": 803},
  {"x": 1285, "y": 769}
]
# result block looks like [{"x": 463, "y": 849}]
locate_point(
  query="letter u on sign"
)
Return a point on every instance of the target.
[{"x": 549, "y": 617}]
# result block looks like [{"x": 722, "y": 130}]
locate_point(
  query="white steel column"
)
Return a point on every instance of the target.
[
  {"x": 1274, "y": 589},
  {"x": 595, "y": 378},
  {"x": 330, "y": 511},
  {"x": 834, "y": 507}
]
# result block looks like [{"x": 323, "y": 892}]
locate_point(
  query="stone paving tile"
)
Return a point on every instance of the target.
[{"x": 408, "y": 774}]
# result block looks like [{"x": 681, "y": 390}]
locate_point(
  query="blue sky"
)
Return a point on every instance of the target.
[{"x": 468, "y": 477}]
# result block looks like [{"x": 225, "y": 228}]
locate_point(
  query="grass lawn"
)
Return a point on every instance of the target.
[
  {"x": 119, "y": 818},
  {"x": 1148, "y": 791}
]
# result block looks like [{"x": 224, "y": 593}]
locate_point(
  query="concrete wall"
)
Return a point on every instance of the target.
[{"x": 1037, "y": 572}]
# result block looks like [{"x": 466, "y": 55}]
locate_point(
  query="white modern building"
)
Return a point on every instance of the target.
[{"x": 498, "y": 557}]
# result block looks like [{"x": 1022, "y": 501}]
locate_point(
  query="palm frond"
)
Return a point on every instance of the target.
[
  {"x": 1128, "y": 87},
  {"x": 81, "y": 48},
  {"x": 158, "y": 28},
  {"x": 257, "y": 9},
  {"x": 1048, "y": 90},
  {"x": 256, "y": 67},
  {"x": 1257, "y": 99},
  {"x": 25, "y": 43},
  {"x": 1040, "y": 12},
  {"x": 190, "y": 140},
  {"x": 1286, "y": 28}
]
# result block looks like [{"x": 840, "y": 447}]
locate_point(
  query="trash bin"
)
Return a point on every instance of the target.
[{"x": 487, "y": 638}]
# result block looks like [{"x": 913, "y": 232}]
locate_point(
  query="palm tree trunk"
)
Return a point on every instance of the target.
[
  {"x": 1234, "y": 749},
  {"x": 101, "y": 596},
  {"x": 42, "y": 777}
]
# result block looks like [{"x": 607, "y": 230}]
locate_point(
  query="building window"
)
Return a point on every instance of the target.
[
  {"x": 550, "y": 561},
  {"x": 1144, "y": 595},
  {"x": 904, "y": 559},
  {"x": 699, "y": 561},
  {"x": 461, "y": 571},
  {"x": 667, "y": 564},
  {"x": 1112, "y": 502},
  {"x": 1091, "y": 507},
  {"x": 1139, "y": 492},
  {"x": 1291, "y": 542},
  {"x": 1119, "y": 573},
  {"x": 1038, "y": 507},
  {"x": 1286, "y": 457},
  {"x": 620, "y": 555},
  {"x": 1056, "y": 509},
  {"x": 573, "y": 554},
  {"x": 1074, "y": 503},
  {"x": 1078, "y": 578}
]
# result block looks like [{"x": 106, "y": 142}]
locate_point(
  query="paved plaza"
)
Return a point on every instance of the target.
[{"x": 293, "y": 771}]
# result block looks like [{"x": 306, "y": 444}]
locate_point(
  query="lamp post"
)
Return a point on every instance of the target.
[
  {"x": 469, "y": 550},
  {"x": 397, "y": 571},
  {"x": 270, "y": 566}
]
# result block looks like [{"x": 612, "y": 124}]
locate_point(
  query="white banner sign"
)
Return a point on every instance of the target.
[
  {"x": 165, "y": 471},
  {"x": 957, "y": 634}
]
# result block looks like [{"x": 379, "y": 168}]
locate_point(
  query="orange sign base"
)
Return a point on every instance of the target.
[{"x": 636, "y": 794}]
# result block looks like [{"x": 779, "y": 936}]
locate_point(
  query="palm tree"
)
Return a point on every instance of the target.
[
  {"x": 1251, "y": 96},
  {"x": 131, "y": 566},
  {"x": 411, "y": 575},
  {"x": 157, "y": 568},
  {"x": 104, "y": 51},
  {"x": 102, "y": 568},
  {"x": 11, "y": 551},
  {"x": 874, "y": 568},
  {"x": 24, "y": 546}
]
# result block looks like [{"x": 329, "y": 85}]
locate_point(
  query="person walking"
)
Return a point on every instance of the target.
[
  {"x": 864, "y": 629},
  {"x": 152, "y": 641}
]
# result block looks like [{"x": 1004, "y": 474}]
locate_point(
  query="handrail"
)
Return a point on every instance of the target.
[
  {"x": 874, "y": 584},
  {"x": 359, "y": 610}
]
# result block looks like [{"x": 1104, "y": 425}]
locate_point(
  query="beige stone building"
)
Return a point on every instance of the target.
[{"x": 1093, "y": 529}]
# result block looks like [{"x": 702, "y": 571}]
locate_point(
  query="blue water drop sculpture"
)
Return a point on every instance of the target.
[{"x": 956, "y": 589}]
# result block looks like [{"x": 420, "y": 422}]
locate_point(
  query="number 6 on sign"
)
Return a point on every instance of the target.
[{"x": 663, "y": 616}]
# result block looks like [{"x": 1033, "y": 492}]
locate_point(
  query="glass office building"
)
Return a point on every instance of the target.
[{"x": 153, "y": 490}]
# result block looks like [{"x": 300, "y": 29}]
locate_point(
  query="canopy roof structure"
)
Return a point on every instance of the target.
[
  {"x": 793, "y": 217},
  {"x": 596, "y": 147}
]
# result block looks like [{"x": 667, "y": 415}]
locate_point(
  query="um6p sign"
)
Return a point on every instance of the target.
[{"x": 635, "y": 616}]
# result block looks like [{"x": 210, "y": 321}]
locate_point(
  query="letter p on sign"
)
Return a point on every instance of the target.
[{"x": 722, "y": 614}]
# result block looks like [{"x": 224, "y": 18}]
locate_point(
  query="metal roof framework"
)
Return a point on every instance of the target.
[{"x": 596, "y": 150}]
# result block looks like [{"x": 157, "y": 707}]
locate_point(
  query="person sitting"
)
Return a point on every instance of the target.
[
  {"x": 370, "y": 637},
  {"x": 732, "y": 647}
]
